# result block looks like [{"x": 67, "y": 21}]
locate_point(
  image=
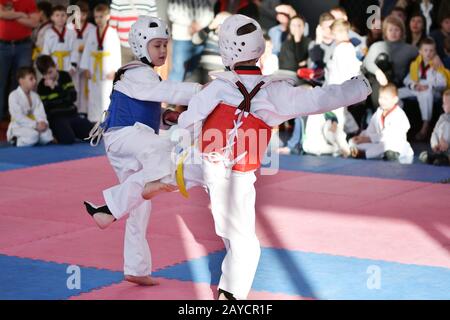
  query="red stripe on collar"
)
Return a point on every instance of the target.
[{"x": 253, "y": 71}]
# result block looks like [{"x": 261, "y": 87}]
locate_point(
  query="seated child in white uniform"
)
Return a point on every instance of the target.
[
  {"x": 385, "y": 137},
  {"x": 29, "y": 124}
]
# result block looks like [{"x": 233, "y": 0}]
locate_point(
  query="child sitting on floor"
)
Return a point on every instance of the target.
[
  {"x": 386, "y": 135},
  {"x": 440, "y": 138},
  {"x": 28, "y": 124}
]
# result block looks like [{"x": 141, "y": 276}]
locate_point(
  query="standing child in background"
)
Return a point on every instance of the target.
[
  {"x": 440, "y": 138},
  {"x": 59, "y": 42},
  {"x": 131, "y": 137},
  {"x": 425, "y": 82},
  {"x": 45, "y": 12},
  {"x": 79, "y": 78},
  {"x": 385, "y": 137},
  {"x": 101, "y": 59},
  {"x": 326, "y": 133},
  {"x": 236, "y": 112},
  {"x": 28, "y": 124}
]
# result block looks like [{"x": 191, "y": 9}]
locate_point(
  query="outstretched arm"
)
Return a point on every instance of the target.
[{"x": 293, "y": 102}]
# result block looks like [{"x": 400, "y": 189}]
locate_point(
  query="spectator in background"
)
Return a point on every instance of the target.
[
  {"x": 385, "y": 138},
  {"x": 416, "y": 31},
  {"x": 58, "y": 95},
  {"x": 400, "y": 13},
  {"x": 210, "y": 59},
  {"x": 59, "y": 42},
  {"x": 248, "y": 8},
  {"x": 28, "y": 124},
  {"x": 45, "y": 11},
  {"x": 321, "y": 49},
  {"x": 429, "y": 10},
  {"x": 375, "y": 34},
  {"x": 17, "y": 20},
  {"x": 389, "y": 60},
  {"x": 425, "y": 81},
  {"x": 267, "y": 13},
  {"x": 279, "y": 33},
  {"x": 123, "y": 14},
  {"x": 187, "y": 17},
  {"x": 268, "y": 63},
  {"x": 79, "y": 78},
  {"x": 442, "y": 33},
  {"x": 357, "y": 40},
  {"x": 99, "y": 62},
  {"x": 294, "y": 50},
  {"x": 446, "y": 60},
  {"x": 440, "y": 138}
]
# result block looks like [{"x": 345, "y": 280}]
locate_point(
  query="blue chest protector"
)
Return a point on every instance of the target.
[{"x": 125, "y": 111}]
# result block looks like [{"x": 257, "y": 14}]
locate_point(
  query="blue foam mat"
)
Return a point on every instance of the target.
[
  {"x": 27, "y": 279},
  {"x": 17, "y": 158},
  {"x": 324, "y": 276}
]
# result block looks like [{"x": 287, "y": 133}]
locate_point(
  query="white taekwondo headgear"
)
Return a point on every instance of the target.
[
  {"x": 143, "y": 31},
  {"x": 240, "y": 39}
]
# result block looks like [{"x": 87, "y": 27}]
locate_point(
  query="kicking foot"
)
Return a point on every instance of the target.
[
  {"x": 101, "y": 214},
  {"x": 151, "y": 189},
  {"x": 284, "y": 150},
  {"x": 225, "y": 295},
  {"x": 142, "y": 281}
]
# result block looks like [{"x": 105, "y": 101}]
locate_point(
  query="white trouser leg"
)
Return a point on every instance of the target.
[
  {"x": 46, "y": 137},
  {"x": 137, "y": 256},
  {"x": 128, "y": 151},
  {"x": 26, "y": 137},
  {"x": 425, "y": 99},
  {"x": 233, "y": 209},
  {"x": 373, "y": 150}
]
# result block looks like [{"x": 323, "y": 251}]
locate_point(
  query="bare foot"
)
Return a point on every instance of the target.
[
  {"x": 142, "y": 281},
  {"x": 103, "y": 220},
  {"x": 151, "y": 189},
  {"x": 284, "y": 150}
]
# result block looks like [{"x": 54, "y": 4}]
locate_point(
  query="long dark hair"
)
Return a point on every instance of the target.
[{"x": 415, "y": 14}]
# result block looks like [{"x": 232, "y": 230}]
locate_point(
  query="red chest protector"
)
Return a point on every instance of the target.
[{"x": 226, "y": 125}]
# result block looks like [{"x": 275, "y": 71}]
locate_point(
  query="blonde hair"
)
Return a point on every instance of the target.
[
  {"x": 395, "y": 22},
  {"x": 340, "y": 25},
  {"x": 390, "y": 87},
  {"x": 446, "y": 93}
]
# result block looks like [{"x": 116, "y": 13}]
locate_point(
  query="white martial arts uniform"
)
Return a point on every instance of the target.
[
  {"x": 100, "y": 63},
  {"x": 63, "y": 53},
  {"x": 24, "y": 118},
  {"x": 136, "y": 149},
  {"x": 319, "y": 140},
  {"x": 233, "y": 194},
  {"x": 387, "y": 134},
  {"x": 441, "y": 131},
  {"x": 39, "y": 36},
  {"x": 79, "y": 79},
  {"x": 436, "y": 84}
]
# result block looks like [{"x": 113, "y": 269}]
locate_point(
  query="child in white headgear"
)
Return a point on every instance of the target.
[
  {"x": 132, "y": 143},
  {"x": 237, "y": 111}
]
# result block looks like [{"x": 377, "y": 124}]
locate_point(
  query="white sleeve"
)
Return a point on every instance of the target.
[
  {"x": 74, "y": 54},
  {"x": 408, "y": 81},
  {"x": 293, "y": 102},
  {"x": 434, "y": 140},
  {"x": 46, "y": 48},
  {"x": 201, "y": 105},
  {"x": 162, "y": 91},
  {"x": 438, "y": 81},
  {"x": 39, "y": 111},
  {"x": 16, "y": 113},
  {"x": 371, "y": 130},
  {"x": 85, "y": 61}
]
